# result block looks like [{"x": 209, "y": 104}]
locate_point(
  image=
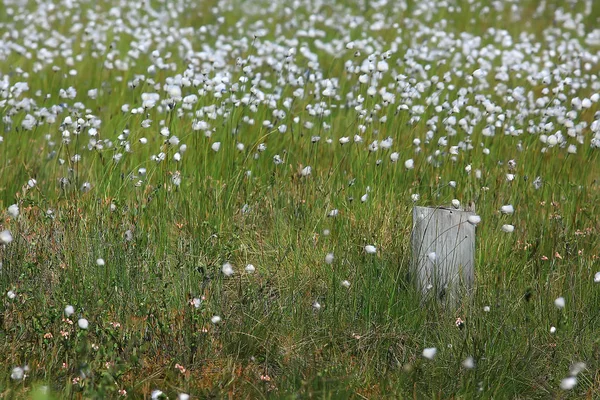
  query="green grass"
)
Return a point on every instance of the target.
[{"x": 367, "y": 340}]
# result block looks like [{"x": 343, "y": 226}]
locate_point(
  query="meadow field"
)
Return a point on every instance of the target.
[{"x": 213, "y": 199}]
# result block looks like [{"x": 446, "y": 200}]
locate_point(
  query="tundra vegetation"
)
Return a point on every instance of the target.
[{"x": 208, "y": 199}]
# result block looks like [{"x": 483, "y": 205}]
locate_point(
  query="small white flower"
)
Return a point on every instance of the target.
[
  {"x": 215, "y": 319},
  {"x": 196, "y": 302},
  {"x": 216, "y": 146},
  {"x": 227, "y": 269},
  {"x": 13, "y": 211},
  {"x": 250, "y": 268},
  {"x": 329, "y": 258},
  {"x": 409, "y": 164},
  {"x": 508, "y": 228},
  {"x": 560, "y": 302},
  {"x": 83, "y": 323},
  {"x": 507, "y": 209},
  {"x": 346, "y": 284},
  {"x": 576, "y": 368},
  {"x": 100, "y": 262},
  {"x": 415, "y": 197},
  {"x": 468, "y": 363},
  {"x": 432, "y": 256},
  {"x": 486, "y": 309},
  {"x": 370, "y": 249},
  {"x": 69, "y": 310},
  {"x": 17, "y": 374},
  {"x": 429, "y": 353},
  {"x": 11, "y": 295},
  {"x": 552, "y": 330},
  {"x": 568, "y": 383},
  {"x": 5, "y": 237},
  {"x": 474, "y": 219}
]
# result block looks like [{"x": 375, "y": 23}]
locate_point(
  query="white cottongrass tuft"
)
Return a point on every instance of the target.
[
  {"x": 306, "y": 171},
  {"x": 346, "y": 284},
  {"x": 13, "y": 211},
  {"x": 215, "y": 319},
  {"x": 432, "y": 256},
  {"x": 409, "y": 164},
  {"x": 429, "y": 353},
  {"x": 216, "y": 146},
  {"x": 69, "y": 310},
  {"x": 455, "y": 203},
  {"x": 316, "y": 305},
  {"x": 249, "y": 268},
  {"x": 83, "y": 323},
  {"x": 474, "y": 219},
  {"x": 597, "y": 277},
  {"x": 227, "y": 269},
  {"x": 183, "y": 396},
  {"x": 17, "y": 374},
  {"x": 157, "y": 394},
  {"x": 508, "y": 228},
  {"x": 560, "y": 302},
  {"x": 576, "y": 368},
  {"x": 568, "y": 383},
  {"x": 5, "y": 237},
  {"x": 329, "y": 258},
  {"x": 552, "y": 330},
  {"x": 486, "y": 309},
  {"x": 11, "y": 295},
  {"x": 507, "y": 209},
  {"x": 370, "y": 249},
  {"x": 468, "y": 363},
  {"x": 100, "y": 262}
]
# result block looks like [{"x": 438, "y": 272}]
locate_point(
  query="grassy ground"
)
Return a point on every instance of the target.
[{"x": 291, "y": 329}]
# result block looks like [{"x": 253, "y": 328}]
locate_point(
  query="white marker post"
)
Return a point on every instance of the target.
[{"x": 443, "y": 251}]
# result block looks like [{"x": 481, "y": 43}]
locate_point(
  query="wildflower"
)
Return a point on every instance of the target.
[
  {"x": 13, "y": 211},
  {"x": 5, "y": 237},
  {"x": 265, "y": 378},
  {"x": 215, "y": 319},
  {"x": 69, "y": 310},
  {"x": 568, "y": 383},
  {"x": 370, "y": 249},
  {"x": 429, "y": 353},
  {"x": 474, "y": 219},
  {"x": 468, "y": 363},
  {"x": 306, "y": 171},
  {"x": 17, "y": 374},
  {"x": 250, "y": 268},
  {"x": 227, "y": 269},
  {"x": 415, "y": 197},
  {"x": 48, "y": 335},
  {"x": 83, "y": 323},
  {"x": 508, "y": 228},
  {"x": 180, "y": 368},
  {"x": 196, "y": 302},
  {"x": 122, "y": 392},
  {"x": 560, "y": 302}
]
